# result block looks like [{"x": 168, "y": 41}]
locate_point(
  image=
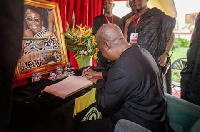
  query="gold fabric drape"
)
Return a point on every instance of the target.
[{"x": 166, "y": 6}]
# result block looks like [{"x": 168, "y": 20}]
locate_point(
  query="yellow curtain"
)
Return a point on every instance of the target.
[{"x": 166, "y": 6}]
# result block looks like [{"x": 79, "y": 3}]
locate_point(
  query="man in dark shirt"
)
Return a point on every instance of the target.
[
  {"x": 132, "y": 89},
  {"x": 154, "y": 30},
  {"x": 107, "y": 17}
]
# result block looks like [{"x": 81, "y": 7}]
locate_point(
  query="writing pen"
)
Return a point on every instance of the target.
[{"x": 87, "y": 69}]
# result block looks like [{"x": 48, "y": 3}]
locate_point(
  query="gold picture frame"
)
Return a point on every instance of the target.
[{"x": 43, "y": 44}]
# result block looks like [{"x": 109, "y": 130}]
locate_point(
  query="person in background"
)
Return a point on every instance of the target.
[
  {"x": 133, "y": 88},
  {"x": 11, "y": 16},
  {"x": 152, "y": 30},
  {"x": 107, "y": 17},
  {"x": 190, "y": 79},
  {"x": 127, "y": 16}
]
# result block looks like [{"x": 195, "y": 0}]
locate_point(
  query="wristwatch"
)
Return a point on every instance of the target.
[{"x": 167, "y": 52}]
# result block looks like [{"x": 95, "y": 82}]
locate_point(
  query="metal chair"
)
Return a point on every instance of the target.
[{"x": 177, "y": 66}]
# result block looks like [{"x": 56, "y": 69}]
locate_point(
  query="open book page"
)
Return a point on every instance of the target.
[{"x": 68, "y": 86}]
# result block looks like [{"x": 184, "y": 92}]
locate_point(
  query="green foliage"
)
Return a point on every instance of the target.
[
  {"x": 176, "y": 77},
  {"x": 81, "y": 41},
  {"x": 178, "y": 53},
  {"x": 180, "y": 42},
  {"x": 83, "y": 61}
]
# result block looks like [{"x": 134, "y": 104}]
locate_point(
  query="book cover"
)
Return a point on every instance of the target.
[{"x": 68, "y": 86}]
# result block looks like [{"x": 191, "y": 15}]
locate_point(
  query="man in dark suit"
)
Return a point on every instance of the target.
[{"x": 132, "y": 89}]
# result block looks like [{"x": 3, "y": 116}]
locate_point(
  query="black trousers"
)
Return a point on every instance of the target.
[{"x": 169, "y": 80}]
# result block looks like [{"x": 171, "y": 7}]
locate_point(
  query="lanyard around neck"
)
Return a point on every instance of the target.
[
  {"x": 135, "y": 23},
  {"x": 108, "y": 20}
]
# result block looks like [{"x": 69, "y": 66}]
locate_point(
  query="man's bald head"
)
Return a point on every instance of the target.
[
  {"x": 110, "y": 41},
  {"x": 108, "y": 33}
]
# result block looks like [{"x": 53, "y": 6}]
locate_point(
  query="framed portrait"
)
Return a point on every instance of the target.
[{"x": 43, "y": 44}]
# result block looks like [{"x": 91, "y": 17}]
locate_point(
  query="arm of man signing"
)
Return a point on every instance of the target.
[{"x": 92, "y": 75}]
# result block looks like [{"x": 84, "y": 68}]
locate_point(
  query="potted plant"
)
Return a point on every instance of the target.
[{"x": 81, "y": 41}]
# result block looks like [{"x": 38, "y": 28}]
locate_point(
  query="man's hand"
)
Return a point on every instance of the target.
[
  {"x": 91, "y": 74},
  {"x": 162, "y": 59},
  {"x": 95, "y": 79},
  {"x": 128, "y": 21}
]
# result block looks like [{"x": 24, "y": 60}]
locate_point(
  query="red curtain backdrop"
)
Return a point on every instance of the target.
[{"x": 85, "y": 11}]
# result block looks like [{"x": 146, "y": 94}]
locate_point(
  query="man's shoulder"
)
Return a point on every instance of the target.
[
  {"x": 117, "y": 17},
  {"x": 162, "y": 15},
  {"x": 99, "y": 17},
  {"x": 159, "y": 12},
  {"x": 197, "y": 20},
  {"x": 138, "y": 49},
  {"x": 127, "y": 16},
  {"x": 155, "y": 12}
]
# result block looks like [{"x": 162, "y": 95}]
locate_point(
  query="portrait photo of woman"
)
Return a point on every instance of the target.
[{"x": 44, "y": 48}]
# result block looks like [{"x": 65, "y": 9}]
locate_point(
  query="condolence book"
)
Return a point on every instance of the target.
[{"x": 68, "y": 86}]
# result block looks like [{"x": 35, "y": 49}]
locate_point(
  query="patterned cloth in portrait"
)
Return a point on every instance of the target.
[{"x": 40, "y": 52}]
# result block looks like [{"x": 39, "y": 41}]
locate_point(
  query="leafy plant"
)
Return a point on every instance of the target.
[
  {"x": 180, "y": 42},
  {"x": 81, "y": 41}
]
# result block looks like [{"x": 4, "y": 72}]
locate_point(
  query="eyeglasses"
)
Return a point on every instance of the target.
[{"x": 35, "y": 19}]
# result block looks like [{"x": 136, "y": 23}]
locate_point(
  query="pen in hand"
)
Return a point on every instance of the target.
[{"x": 85, "y": 70}]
